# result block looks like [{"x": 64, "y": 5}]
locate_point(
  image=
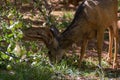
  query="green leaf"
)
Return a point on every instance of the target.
[
  {"x": 1, "y": 38},
  {"x": 11, "y": 22},
  {"x": 10, "y": 35},
  {"x": 16, "y": 25},
  {"x": 4, "y": 56}
]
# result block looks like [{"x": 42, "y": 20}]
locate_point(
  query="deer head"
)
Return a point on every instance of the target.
[{"x": 50, "y": 37}]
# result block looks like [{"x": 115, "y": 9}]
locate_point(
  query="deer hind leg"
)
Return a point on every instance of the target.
[
  {"x": 111, "y": 36},
  {"x": 116, "y": 39},
  {"x": 100, "y": 37},
  {"x": 83, "y": 48}
]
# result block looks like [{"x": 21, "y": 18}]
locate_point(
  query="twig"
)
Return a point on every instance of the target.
[{"x": 46, "y": 15}]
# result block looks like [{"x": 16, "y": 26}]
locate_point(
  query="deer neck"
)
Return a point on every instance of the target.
[
  {"x": 70, "y": 36},
  {"x": 75, "y": 30}
]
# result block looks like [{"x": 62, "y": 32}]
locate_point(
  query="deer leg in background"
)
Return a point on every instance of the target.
[
  {"x": 83, "y": 48},
  {"x": 100, "y": 38},
  {"x": 109, "y": 59},
  {"x": 116, "y": 39}
]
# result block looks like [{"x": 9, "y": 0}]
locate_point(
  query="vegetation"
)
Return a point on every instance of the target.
[{"x": 27, "y": 60}]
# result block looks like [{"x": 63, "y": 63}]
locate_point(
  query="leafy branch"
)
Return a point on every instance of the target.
[{"x": 45, "y": 9}]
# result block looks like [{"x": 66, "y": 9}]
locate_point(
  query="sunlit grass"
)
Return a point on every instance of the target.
[{"x": 42, "y": 70}]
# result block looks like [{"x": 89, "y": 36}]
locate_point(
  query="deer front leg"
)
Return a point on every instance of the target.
[
  {"x": 100, "y": 37},
  {"x": 83, "y": 47}
]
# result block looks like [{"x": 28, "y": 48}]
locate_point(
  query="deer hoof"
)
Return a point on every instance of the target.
[
  {"x": 115, "y": 66},
  {"x": 109, "y": 60}
]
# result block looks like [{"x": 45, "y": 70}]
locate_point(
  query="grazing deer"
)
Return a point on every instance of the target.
[{"x": 91, "y": 19}]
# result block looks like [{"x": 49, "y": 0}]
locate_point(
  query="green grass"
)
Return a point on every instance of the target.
[
  {"x": 40, "y": 69},
  {"x": 36, "y": 66},
  {"x": 25, "y": 72}
]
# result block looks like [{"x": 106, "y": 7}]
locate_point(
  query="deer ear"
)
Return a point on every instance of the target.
[{"x": 55, "y": 31}]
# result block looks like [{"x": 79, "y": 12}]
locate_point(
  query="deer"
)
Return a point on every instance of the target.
[{"x": 90, "y": 21}]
